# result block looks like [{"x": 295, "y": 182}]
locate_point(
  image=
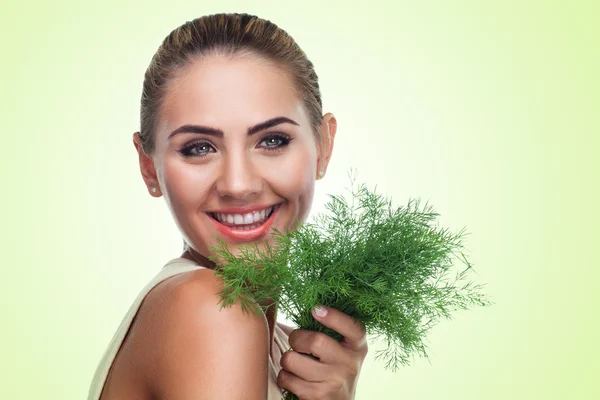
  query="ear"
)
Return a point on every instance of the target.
[
  {"x": 146, "y": 167},
  {"x": 325, "y": 148}
]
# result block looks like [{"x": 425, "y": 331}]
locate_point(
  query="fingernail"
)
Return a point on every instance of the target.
[{"x": 320, "y": 311}]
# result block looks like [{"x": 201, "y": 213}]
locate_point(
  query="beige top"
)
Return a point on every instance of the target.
[{"x": 172, "y": 268}]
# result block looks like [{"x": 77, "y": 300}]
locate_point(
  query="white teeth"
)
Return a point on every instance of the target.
[
  {"x": 247, "y": 227},
  {"x": 249, "y": 220}
]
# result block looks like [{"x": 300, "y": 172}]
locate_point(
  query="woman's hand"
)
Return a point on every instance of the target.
[{"x": 333, "y": 374}]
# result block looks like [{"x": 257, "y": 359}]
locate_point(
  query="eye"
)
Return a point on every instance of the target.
[
  {"x": 275, "y": 142},
  {"x": 197, "y": 149}
]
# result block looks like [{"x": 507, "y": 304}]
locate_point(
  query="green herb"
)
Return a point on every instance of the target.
[{"x": 387, "y": 267}]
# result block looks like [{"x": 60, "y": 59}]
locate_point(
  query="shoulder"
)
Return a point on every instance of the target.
[{"x": 189, "y": 345}]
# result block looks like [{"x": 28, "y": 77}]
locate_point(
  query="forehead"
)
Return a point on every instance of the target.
[{"x": 230, "y": 93}]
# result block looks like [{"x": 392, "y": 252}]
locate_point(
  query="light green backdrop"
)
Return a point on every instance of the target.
[{"x": 489, "y": 110}]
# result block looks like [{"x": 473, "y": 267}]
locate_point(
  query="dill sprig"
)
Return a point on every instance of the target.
[{"x": 388, "y": 267}]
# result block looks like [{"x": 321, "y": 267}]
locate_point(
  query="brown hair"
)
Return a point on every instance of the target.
[{"x": 229, "y": 34}]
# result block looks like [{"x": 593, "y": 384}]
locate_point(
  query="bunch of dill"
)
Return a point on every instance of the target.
[{"x": 385, "y": 266}]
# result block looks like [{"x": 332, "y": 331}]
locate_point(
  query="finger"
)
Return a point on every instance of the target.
[
  {"x": 303, "y": 366},
  {"x": 301, "y": 388},
  {"x": 353, "y": 331},
  {"x": 325, "y": 348}
]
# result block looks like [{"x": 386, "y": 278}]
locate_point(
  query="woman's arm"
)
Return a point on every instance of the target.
[{"x": 197, "y": 351}]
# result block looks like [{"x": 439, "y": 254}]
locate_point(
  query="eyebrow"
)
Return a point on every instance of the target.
[{"x": 217, "y": 132}]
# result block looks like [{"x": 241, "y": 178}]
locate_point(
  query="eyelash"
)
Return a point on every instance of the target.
[{"x": 285, "y": 140}]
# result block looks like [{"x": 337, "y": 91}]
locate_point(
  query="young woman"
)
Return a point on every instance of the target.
[{"x": 233, "y": 136}]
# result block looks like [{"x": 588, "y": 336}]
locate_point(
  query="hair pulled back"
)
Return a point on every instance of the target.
[{"x": 230, "y": 34}]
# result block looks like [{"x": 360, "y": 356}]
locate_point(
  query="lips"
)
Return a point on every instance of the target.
[{"x": 245, "y": 226}]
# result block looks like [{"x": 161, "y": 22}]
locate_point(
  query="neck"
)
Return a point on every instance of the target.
[{"x": 198, "y": 258}]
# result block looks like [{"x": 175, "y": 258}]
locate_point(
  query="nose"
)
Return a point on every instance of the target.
[{"x": 238, "y": 178}]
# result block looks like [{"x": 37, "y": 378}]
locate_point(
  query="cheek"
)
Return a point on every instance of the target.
[
  {"x": 185, "y": 186},
  {"x": 294, "y": 179}
]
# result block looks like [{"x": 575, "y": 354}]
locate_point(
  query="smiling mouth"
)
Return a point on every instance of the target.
[{"x": 244, "y": 221}]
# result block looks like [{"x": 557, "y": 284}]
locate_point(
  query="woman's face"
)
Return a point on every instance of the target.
[{"x": 235, "y": 155}]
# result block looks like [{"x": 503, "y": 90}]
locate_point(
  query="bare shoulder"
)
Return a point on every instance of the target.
[{"x": 188, "y": 347}]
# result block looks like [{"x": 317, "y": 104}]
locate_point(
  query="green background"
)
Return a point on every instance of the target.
[{"x": 488, "y": 110}]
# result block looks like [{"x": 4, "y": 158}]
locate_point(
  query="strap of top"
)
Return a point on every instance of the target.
[{"x": 281, "y": 341}]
